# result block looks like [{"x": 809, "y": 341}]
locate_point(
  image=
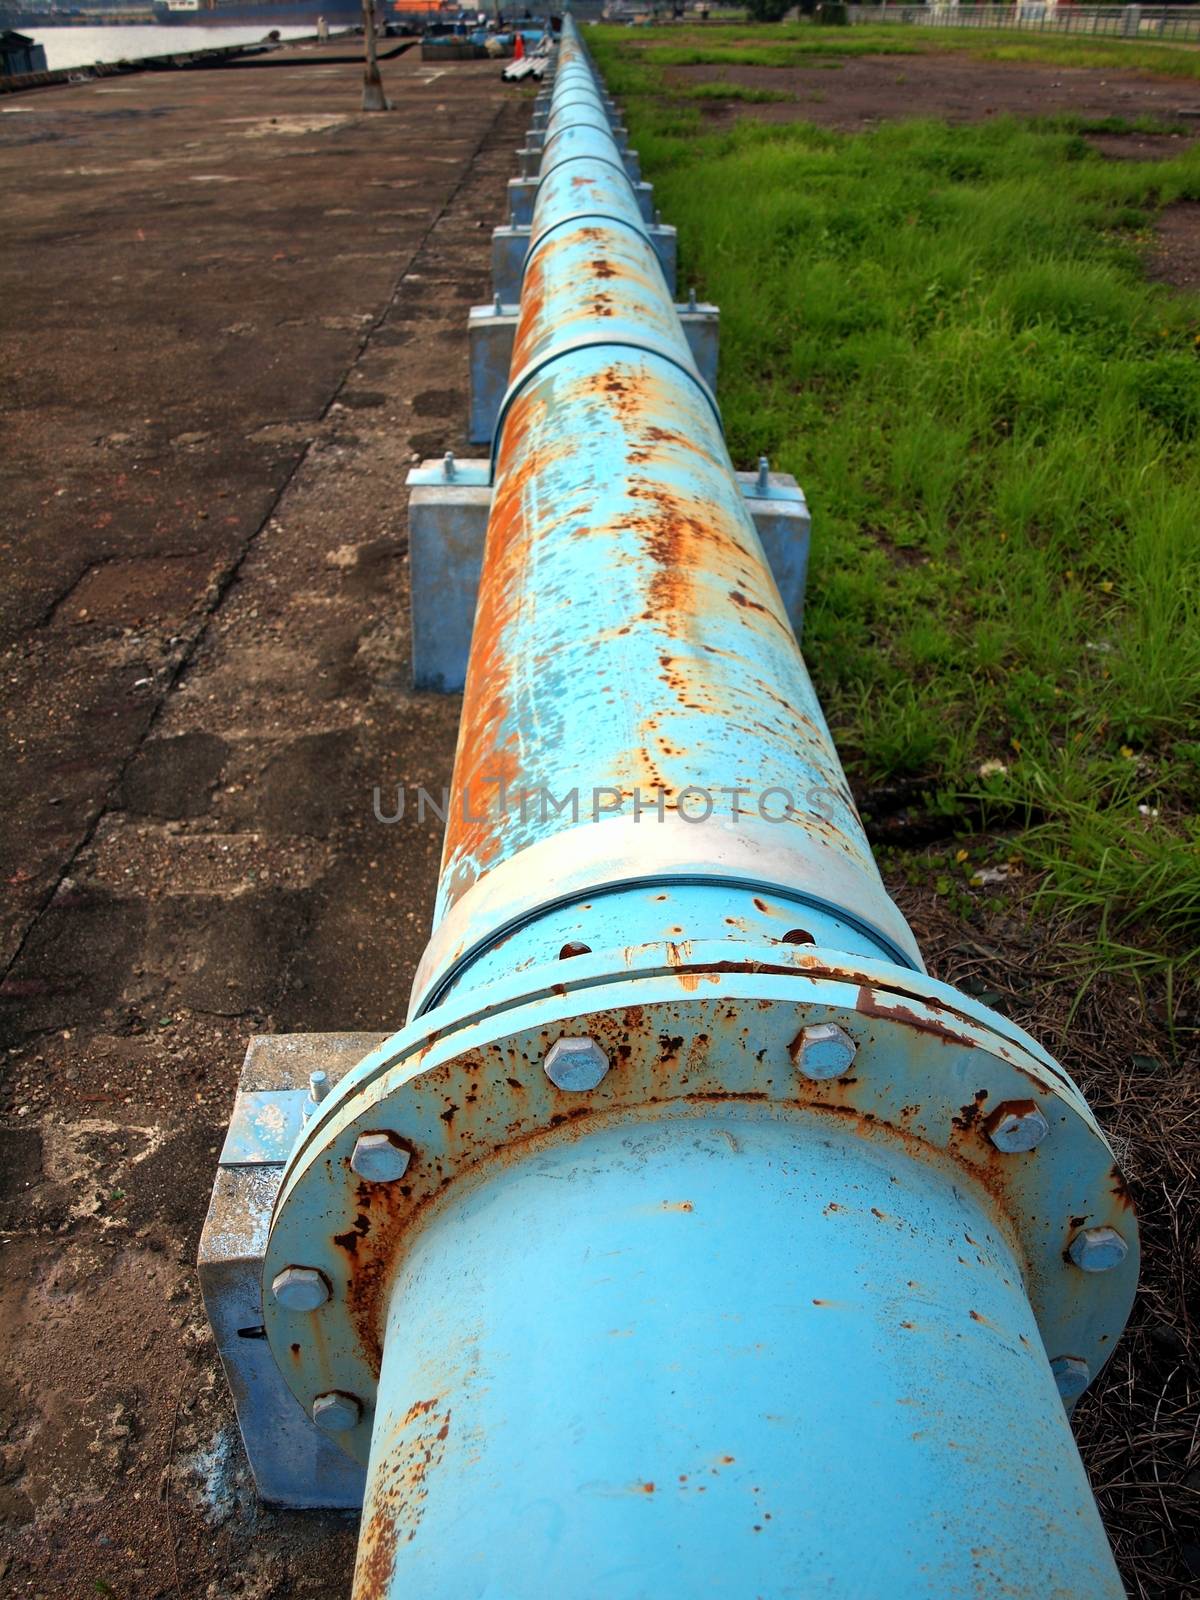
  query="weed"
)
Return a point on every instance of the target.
[{"x": 946, "y": 334}]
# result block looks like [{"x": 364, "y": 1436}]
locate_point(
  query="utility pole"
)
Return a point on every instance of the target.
[{"x": 373, "y": 97}]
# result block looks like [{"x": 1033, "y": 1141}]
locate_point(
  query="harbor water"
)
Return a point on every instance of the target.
[{"x": 80, "y": 47}]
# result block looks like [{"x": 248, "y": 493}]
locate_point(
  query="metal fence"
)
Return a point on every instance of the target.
[{"x": 1119, "y": 22}]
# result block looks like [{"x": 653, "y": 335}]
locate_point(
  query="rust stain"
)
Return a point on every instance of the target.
[
  {"x": 872, "y": 1004},
  {"x": 376, "y": 1564},
  {"x": 349, "y": 1241},
  {"x": 970, "y": 1114},
  {"x": 399, "y": 1492}
]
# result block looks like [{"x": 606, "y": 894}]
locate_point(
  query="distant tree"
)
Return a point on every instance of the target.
[{"x": 768, "y": 10}]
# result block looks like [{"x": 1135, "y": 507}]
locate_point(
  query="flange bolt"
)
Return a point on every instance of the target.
[
  {"x": 1097, "y": 1249},
  {"x": 379, "y": 1157},
  {"x": 575, "y": 1065},
  {"x": 300, "y": 1288},
  {"x": 337, "y": 1413},
  {"x": 823, "y": 1051},
  {"x": 1016, "y": 1126}
]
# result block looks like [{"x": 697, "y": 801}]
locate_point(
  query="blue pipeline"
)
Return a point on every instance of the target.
[
  {"x": 723, "y": 1401},
  {"x": 675, "y": 691},
  {"x": 725, "y": 1252}
]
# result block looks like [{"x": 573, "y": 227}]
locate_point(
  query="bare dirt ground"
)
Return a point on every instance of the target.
[
  {"x": 235, "y": 311},
  {"x": 1176, "y": 256},
  {"x": 858, "y": 91}
]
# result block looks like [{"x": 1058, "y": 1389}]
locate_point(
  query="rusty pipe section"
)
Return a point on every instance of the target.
[
  {"x": 637, "y": 711},
  {"x": 688, "y": 1239}
]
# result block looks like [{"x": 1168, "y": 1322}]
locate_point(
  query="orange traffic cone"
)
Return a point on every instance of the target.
[{"x": 519, "y": 48}]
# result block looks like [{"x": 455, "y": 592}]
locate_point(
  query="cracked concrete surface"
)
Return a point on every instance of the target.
[{"x": 212, "y": 394}]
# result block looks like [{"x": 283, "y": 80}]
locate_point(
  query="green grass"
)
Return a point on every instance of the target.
[
  {"x": 730, "y": 91},
  {"x": 947, "y": 336}
]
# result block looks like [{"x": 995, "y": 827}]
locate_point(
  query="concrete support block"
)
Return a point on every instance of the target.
[
  {"x": 510, "y": 245},
  {"x": 447, "y": 520},
  {"x": 666, "y": 242},
  {"x": 293, "y": 1462},
  {"x": 702, "y": 324},
  {"x": 784, "y": 526},
  {"x": 522, "y": 192},
  {"x": 447, "y": 525},
  {"x": 490, "y": 334}
]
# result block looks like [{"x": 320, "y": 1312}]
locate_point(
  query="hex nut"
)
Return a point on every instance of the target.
[
  {"x": 1016, "y": 1126},
  {"x": 823, "y": 1050},
  {"x": 1072, "y": 1375},
  {"x": 379, "y": 1157},
  {"x": 1097, "y": 1249},
  {"x": 575, "y": 1065},
  {"x": 337, "y": 1412},
  {"x": 300, "y": 1288}
]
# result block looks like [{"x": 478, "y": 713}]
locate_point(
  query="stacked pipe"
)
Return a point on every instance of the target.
[{"x": 689, "y": 1239}]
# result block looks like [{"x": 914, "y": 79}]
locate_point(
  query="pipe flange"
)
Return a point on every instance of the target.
[{"x": 894, "y": 1054}]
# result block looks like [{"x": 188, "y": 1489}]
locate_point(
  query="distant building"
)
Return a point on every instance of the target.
[{"x": 19, "y": 54}]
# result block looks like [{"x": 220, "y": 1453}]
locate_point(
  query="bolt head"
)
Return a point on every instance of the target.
[
  {"x": 336, "y": 1412},
  {"x": 300, "y": 1288},
  {"x": 379, "y": 1157},
  {"x": 1016, "y": 1126},
  {"x": 824, "y": 1050},
  {"x": 1097, "y": 1249},
  {"x": 575, "y": 1065},
  {"x": 1072, "y": 1375}
]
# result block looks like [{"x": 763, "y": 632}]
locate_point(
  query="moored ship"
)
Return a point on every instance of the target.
[{"x": 271, "y": 13}]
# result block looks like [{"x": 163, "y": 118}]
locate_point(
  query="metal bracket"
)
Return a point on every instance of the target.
[
  {"x": 293, "y": 1462},
  {"x": 510, "y": 246},
  {"x": 447, "y": 523}
]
